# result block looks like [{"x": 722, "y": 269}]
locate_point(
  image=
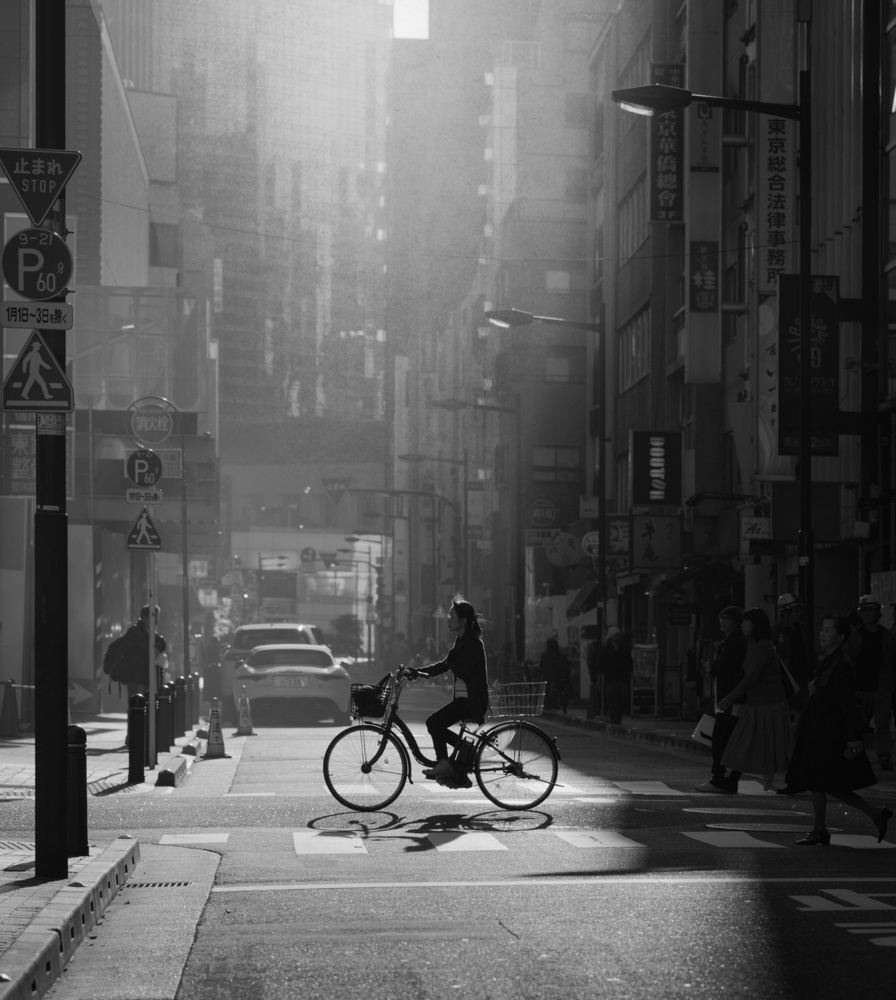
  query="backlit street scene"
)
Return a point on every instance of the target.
[{"x": 447, "y": 524}]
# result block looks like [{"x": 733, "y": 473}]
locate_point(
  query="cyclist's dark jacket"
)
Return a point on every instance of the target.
[{"x": 466, "y": 660}]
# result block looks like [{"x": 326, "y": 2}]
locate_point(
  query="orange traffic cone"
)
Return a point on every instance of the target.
[
  {"x": 244, "y": 727},
  {"x": 215, "y": 745},
  {"x": 9, "y": 716}
]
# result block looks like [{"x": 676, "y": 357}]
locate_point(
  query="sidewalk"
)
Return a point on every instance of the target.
[{"x": 42, "y": 921}]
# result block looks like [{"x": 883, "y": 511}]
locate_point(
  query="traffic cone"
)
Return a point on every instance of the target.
[
  {"x": 215, "y": 745},
  {"x": 244, "y": 726},
  {"x": 9, "y": 717}
]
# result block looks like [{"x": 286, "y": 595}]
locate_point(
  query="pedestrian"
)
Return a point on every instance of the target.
[
  {"x": 794, "y": 644},
  {"x": 592, "y": 660},
  {"x": 466, "y": 661},
  {"x": 762, "y": 737},
  {"x": 555, "y": 672},
  {"x": 127, "y": 659},
  {"x": 399, "y": 654},
  {"x": 616, "y": 668},
  {"x": 829, "y": 757},
  {"x": 726, "y": 671},
  {"x": 872, "y": 651}
]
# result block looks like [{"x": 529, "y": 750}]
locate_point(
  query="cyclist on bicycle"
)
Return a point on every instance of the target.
[{"x": 466, "y": 660}]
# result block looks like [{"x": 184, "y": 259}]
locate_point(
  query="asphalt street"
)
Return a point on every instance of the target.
[{"x": 624, "y": 883}]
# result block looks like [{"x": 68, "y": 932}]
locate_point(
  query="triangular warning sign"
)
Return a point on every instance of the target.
[
  {"x": 36, "y": 381},
  {"x": 144, "y": 534},
  {"x": 335, "y": 488},
  {"x": 38, "y": 177}
]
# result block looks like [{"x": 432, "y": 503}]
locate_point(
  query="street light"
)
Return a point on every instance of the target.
[
  {"x": 508, "y": 319},
  {"x": 658, "y": 99}
]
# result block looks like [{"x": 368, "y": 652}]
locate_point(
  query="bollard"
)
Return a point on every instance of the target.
[
  {"x": 180, "y": 706},
  {"x": 76, "y": 832},
  {"x": 163, "y": 739},
  {"x": 188, "y": 702},
  {"x": 9, "y": 713},
  {"x": 197, "y": 698},
  {"x": 172, "y": 713},
  {"x": 137, "y": 738}
]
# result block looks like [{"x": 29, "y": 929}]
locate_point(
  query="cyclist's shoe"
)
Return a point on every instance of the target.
[
  {"x": 442, "y": 770},
  {"x": 456, "y": 781}
]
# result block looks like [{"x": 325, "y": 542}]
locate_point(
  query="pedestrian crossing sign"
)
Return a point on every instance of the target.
[
  {"x": 144, "y": 535},
  {"x": 37, "y": 381}
]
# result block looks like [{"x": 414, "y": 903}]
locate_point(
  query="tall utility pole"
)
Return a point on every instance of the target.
[{"x": 50, "y": 517}]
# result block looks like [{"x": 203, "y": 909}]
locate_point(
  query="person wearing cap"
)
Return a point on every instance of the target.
[
  {"x": 793, "y": 644},
  {"x": 616, "y": 666},
  {"x": 726, "y": 672},
  {"x": 872, "y": 651}
]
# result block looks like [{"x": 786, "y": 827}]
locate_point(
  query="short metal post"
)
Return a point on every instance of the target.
[
  {"x": 198, "y": 685},
  {"x": 76, "y": 819},
  {"x": 172, "y": 713},
  {"x": 188, "y": 702},
  {"x": 137, "y": 748},
  {"x": 163, "y": 738},
  {"x": 180, "y": 706}
]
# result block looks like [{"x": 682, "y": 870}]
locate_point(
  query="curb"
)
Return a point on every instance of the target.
[
  {"x": 173, "y": 773},
  {"x": 47, "y": 944},
  {"x": 633, "y": 733}
]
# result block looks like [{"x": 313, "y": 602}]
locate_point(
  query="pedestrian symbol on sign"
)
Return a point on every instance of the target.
[
  {"x": 36, "y": 381},
  {"x": 144, "y": 534}
]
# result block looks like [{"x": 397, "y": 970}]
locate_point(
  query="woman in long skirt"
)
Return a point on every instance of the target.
[
  {"x": 762, "y": 739},
  {"x": 829, "y": 757}
]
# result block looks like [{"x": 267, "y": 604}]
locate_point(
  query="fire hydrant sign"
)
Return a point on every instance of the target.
[
  {"x": 37, "y": 263},
  {"x": 38, "y": 177}
]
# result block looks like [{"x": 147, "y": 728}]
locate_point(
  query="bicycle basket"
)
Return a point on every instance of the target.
[
  {"x": 515, "y": 700},
  {"x": 370, "y": 700}
]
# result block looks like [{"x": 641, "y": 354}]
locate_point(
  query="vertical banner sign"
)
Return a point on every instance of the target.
[
  {"x": 704, "y": 277},
  {"x": 775, "y": 177},
  {"x": 824, "y": 360},
  {"x": 667, "y": 152},
  {"x": 655, "y": 468},
  {"x": 656, "y": 542}
]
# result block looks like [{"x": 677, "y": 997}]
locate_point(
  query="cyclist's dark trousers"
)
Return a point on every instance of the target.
[{"x": 438, "y": 723}]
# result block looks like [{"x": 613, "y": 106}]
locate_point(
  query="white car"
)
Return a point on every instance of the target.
[{"x": 302, "y": 677}]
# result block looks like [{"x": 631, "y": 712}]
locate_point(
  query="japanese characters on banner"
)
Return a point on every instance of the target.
[
  {"x": 824, "y": 361},
  {"x": 20, "y": 461},
  {"x": 704, "y": 276},
  {"x": 656, "y": 541},
  {"x": 655, "y": 458},
  {"x": 667, "y": 152},
  {"x": 776, "y": 216}
]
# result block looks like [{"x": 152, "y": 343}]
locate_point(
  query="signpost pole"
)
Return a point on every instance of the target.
[{"x": 50, "y": 518}]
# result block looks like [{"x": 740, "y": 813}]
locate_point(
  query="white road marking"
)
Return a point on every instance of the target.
[
  {"x": 596, "y": 838},
  {"x": 729, "y": 838},
  {"x": 647, "y": 788},
  {"x": 595, "y": 881},
  {"x": 327, "y": 842},
  {"x": 453, "y": 840},
  {"x": 859, "y": 841},
  {"x": 194, "y": 838},
  {"x": 247, "y": 795},
  {"x": 602, "y": 802}
]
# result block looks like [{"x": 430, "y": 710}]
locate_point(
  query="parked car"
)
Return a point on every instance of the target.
[
  {"x": 245, "y": 639},
  {"x": 308, "y": 677}
]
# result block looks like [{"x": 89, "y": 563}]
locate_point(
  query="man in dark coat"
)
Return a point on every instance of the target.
[
  {"x": 726, "y": 672},
  {"x": 616, "y": 667}
]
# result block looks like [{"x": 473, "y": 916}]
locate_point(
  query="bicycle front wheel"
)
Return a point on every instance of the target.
[
  {"x": 365, "y": 768},
  {"x": 516, "y": 765}
]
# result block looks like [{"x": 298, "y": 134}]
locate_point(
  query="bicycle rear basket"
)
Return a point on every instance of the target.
[
  {"x": 514, "y": 700},
  {"x": 369, "y": 700}
]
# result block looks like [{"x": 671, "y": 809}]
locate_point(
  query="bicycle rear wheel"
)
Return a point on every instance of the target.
[
  {"x": 516, "y": 765},
  {"x": 362, "y": 771}
]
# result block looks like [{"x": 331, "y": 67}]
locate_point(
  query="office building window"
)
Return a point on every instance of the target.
[
  {"x": 556, "y": 465},
  {"x": 633, "y": 220},
  {"x": 633, "y": 350}
]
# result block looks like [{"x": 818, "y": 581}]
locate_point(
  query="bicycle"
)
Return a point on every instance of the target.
[{"x": 514, "y": 762}]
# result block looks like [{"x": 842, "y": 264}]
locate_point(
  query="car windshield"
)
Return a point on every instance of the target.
[
  {"x": 290, "y": 658},
  {"x": 258, "y": 637}
]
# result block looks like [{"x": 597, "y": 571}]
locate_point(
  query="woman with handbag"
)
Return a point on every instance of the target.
[
  {"x": 762, "y": 739},
  {"x": 829, "y": 757}
]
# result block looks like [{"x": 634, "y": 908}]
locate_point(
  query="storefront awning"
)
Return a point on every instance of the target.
[{"x": 585, "y": 599}]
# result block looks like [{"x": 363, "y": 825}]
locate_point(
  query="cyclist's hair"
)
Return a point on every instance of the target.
[{"x": 467, "y": 612}]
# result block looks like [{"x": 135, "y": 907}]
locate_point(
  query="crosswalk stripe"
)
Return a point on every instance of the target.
[
  {"x": 596, "y": 838},
  {"x": 859, "y": 841},
  {"x": 327, "y": 842},
  {"x": 453, "y": 840},
  {"x": 729, "y": 838},
  {"x": 647, "y": 788}
]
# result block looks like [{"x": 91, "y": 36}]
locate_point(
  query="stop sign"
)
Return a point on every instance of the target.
[{"x": 144, "y": 467}]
